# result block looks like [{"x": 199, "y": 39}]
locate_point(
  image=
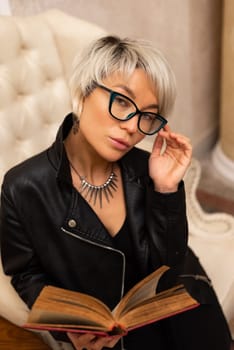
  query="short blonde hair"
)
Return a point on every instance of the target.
[{"x": 111, "y": 54}]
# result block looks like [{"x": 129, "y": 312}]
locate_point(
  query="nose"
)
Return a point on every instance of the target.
[{"x": 130, "y": 125}]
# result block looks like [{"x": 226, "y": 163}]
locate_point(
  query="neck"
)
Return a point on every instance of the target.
[
  {"x": 97, "y": 180},
  {"x": 87, "y": 163}
]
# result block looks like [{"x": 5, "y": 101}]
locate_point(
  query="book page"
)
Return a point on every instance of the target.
[
  {"x": 56, "y": 305},
  {"x": 143, "y": 290},
  {"x": 171, "y": 302},
  {"x": 71, "y": 299}
]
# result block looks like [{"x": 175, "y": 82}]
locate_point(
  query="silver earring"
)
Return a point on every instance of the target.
[{"x": 75, "y": 127}]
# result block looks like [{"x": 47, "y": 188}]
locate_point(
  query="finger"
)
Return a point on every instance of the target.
[
  {"x": 176, "y": 139},
  {"x": 158, "y": 144},
  {"x": 108, "y": 342},
  {"x": 180, "y": 137},
  {"x": 81, "y": 340},
  {"x": 184, "y": 143},
  {"x": 113, "y": 341},
  {"x": 166, "y": 128}
]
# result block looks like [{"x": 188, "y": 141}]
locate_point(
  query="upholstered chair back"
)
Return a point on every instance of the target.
[{"x": 35, "y": 59}]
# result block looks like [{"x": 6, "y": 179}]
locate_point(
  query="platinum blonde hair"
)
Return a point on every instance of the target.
[{"x": 111, "y": 54}]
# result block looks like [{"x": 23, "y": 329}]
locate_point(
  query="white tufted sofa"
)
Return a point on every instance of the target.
[
  {"x": 35, "y": 57},
  {"x": 211, "y": 236}
]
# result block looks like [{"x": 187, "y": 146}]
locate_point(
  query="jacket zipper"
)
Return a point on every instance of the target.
[{"x": 198, "y": 278}]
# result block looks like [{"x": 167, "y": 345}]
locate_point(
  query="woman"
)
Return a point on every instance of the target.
[{"x": 95, "y": 214}]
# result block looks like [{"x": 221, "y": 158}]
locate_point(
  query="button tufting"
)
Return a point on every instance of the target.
[
  {"x": 23, "y": 46},
  {"x": 72, "y": 223}
]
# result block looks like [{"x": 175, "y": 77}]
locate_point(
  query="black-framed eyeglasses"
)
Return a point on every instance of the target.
[{"x": 123, "y": 108}]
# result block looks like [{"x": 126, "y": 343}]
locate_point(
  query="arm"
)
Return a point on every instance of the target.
[
  {"x": 167, "y": 227},
  {"x": 169, "y": 160},
  {"x": 18, "y": 257}
]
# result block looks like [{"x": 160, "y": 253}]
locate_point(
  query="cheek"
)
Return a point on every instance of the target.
[
  {"x": 138, "y": 138},
  {"x": 94, "y": 112},
  {"x": 96, "y": 122}
]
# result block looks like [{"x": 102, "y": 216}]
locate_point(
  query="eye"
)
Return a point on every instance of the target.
[
  {"x": 122, "y": 102},
  {"x": 148, "y": 116}
]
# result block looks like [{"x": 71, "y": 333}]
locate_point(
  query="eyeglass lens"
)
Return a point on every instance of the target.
[{"x": 123, "y": 108}]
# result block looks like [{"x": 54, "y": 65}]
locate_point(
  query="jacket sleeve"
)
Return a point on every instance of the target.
[
  {"x": 18, "y": 258},
  {"x": 167, "y": 226}
]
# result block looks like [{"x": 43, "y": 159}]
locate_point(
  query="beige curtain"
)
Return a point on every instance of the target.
[{"x": 227, "y": 82}]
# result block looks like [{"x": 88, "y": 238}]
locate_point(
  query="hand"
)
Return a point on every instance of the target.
[
  {"x": 90, "y": 341},
  {"x": 168, "y": 166}
]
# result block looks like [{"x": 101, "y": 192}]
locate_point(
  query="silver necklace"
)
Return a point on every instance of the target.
[{"x": 93, "y": 192}]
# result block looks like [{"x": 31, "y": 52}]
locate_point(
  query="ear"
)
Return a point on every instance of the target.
[{"x": 80, "y": 107}]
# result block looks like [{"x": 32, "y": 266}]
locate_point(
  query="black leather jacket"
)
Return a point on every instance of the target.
[{"x": 49, "y": 234}]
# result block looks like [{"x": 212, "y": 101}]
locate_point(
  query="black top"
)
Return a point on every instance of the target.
[{"x": 123, "y": 242}]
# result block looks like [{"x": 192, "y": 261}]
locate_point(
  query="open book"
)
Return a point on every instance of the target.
[{"x": 65, "y": 310}]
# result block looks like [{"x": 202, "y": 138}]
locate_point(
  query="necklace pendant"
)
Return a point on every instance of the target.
[{"x": 95, "y": 193}]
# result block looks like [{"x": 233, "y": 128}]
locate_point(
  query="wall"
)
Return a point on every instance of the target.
[
  {"x": 5, "y": 7},
  {"x": 187, "y": 31},
  {"x": 227, "y": 84},
  {"x": 223, "y": 153}
]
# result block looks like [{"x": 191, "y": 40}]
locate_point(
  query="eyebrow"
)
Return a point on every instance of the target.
[
  {"x": 133, "y": 96},
  {"x": 127, "y": 90}
]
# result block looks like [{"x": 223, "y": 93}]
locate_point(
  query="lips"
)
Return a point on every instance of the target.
[{"x": 120, "y": 143}]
